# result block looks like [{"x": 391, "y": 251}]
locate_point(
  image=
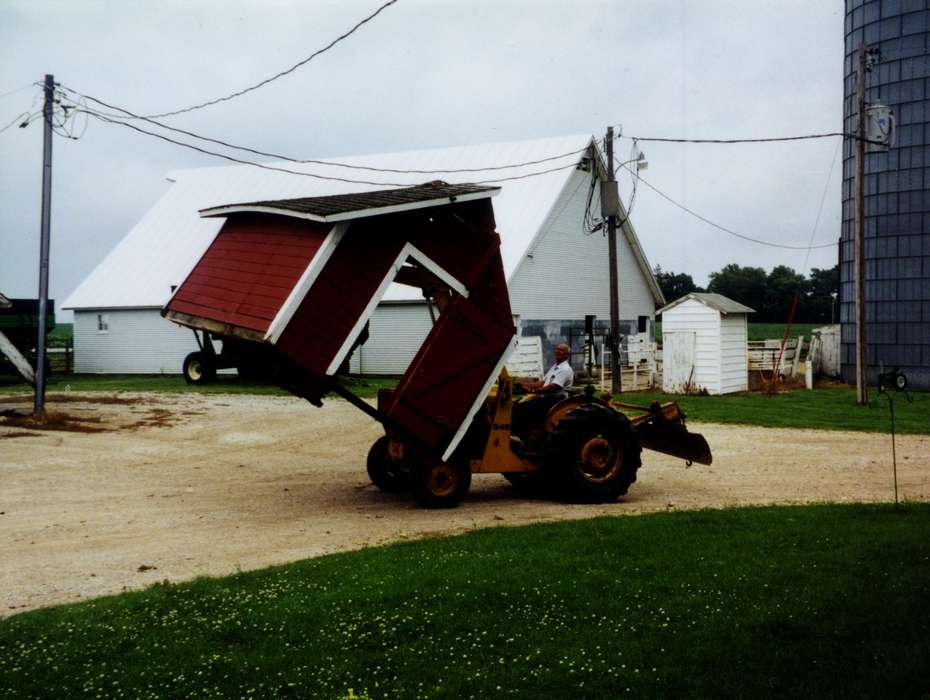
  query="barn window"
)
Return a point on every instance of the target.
[
  {"x": 103, "y": 323},
  {"x": 641, "y": 324}
]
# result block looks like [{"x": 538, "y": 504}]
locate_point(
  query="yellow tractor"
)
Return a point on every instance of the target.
[{"x": 586, "y": 450}]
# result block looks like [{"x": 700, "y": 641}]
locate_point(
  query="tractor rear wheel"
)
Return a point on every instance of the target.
[
  {"x": 594, "y": 454},
  {"x": 442, "y": 484},
  {"x": 199, "y": 368},
  {"x": 384, "y": 472}
]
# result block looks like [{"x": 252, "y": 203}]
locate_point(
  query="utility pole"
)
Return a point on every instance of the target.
[
  {"x": 610, "y": 205},
  {"x": 39, "y": 405},
  {"x": 862, "y": 390}
]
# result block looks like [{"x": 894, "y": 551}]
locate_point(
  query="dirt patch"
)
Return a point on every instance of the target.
[
  {"x": 83, "y": 413},
  {"x": 181, "y": 485}
]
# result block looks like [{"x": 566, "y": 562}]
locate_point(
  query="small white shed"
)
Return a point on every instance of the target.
[{"x": 705, "y": 345}]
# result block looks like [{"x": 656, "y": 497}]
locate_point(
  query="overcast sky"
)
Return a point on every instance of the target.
[{"x": 434, "y": 73}]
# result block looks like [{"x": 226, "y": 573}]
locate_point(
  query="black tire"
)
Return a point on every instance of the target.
[
  {"x": 198, "y": 368},
  {"x": 442, "y": 484},
  {"x": 384, "y": 472},
  {"x": 594, "y": 454}
]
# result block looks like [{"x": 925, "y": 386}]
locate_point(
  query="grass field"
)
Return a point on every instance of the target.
[
  {"x": 766, "y": 331},
  {"x": 825, "y": 601},
  {"x": 828, "y": 409},
  {"x": 61, "y": 335},
  {"x": 367, "y": 387},
  {"x": 822, "y": 409}
]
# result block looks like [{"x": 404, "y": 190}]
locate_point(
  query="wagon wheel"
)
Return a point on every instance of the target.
[
  {"x": 442, "y": 484},
  {"x": 594, "y": 454},
  {"x": 384, "y": 472},
  {"x": 198, "y": 368}
]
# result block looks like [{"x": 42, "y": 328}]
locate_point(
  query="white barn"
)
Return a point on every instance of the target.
[
  {"x": 705, "y": 345},
  {"x": 556, "y": 273}
]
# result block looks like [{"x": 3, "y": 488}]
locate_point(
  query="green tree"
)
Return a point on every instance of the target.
[
  {"x": 782, "y": 285},
  {"x": 743, "y": 284},
  {"x": 819, "y": 304},
  {"x": 674, "y": 285}
]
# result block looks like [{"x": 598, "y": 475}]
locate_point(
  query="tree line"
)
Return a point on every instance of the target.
[{"x": 771, "y": 294}]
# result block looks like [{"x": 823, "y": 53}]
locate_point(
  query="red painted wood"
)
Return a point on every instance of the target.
[
  {"x": 339, "y": 297},
  {"x": 256, "y": 260},
  {"x": 249, "y": 270}
]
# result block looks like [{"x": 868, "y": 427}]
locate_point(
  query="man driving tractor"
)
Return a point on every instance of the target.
[{"x": 555, "y": 386}]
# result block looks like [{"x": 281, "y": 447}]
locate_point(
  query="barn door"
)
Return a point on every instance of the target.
[{"x": 678, "y": 362}]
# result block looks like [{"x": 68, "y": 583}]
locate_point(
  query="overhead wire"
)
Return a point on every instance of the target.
[
  {"x": 23, "y": 120},
  {"x": 311, "y": 161},
  {"x": 317, "y": 176},
  {"x": 17, "y": 90},
  {"x": 724, "y": 228},
  {"x": 287, "y": 71}
]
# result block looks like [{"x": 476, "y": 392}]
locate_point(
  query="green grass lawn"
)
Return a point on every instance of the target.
[
  {"x": 61, "y": 335},
  {"x": 822, "y": 409},
  {"x": 366, "y": 387},
  {"x": 767, "y": 331},
  {"x": 824, "y": 601}
]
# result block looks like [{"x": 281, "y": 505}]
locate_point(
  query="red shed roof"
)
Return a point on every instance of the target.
[{"x": 356, "y": 206}]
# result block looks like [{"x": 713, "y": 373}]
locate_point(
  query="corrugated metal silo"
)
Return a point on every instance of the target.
[{"x": 897, "y": 191}]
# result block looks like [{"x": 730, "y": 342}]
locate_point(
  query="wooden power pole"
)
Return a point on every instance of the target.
[
  {"x": 41, "y": 351},
  {"x": 610, "y": 204},
  {"x": 862, "y": 390}
]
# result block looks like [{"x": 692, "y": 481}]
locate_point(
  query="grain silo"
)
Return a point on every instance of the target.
[{"x": 897, "y": 191}]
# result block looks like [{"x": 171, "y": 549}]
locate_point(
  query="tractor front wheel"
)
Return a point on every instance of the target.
[
  {"x": 441, "y": 484},
  {"x": 594, "y": 454},
  {"x": 384, "y": 472},
  {"x": 199, "y": 368}
]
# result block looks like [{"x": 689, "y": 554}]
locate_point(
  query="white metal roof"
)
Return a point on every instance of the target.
[
  {"x": 724, "y": 305},
  {"x": 164, "y": 245}
]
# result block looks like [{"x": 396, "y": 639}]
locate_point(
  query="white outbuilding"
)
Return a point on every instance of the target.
[
  {"x": 705, "y": 345},
  {"x": 556, "y": 269}
]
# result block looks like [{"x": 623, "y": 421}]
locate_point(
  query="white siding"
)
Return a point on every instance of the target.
[
  {"x": 692, "y": 315},
  {"x": 564, "y": 274},
  {"x": 734, "y": 369},
  {"x": 395, "y": 334},
  {"x": 138, "y": 341}
]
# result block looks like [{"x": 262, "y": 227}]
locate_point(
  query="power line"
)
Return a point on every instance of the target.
[
  {"x": 282, "y": 73},
  {"x": 774, "y": 139},
  {"x": 823, "y": 198},
  {"x": 26, "y": 118},
  {"x": 19, "y": 89},
  {"x": 724, "y": 228},
  {"x": 307, "y": 161},
  {"x": 317, "y": 176}
]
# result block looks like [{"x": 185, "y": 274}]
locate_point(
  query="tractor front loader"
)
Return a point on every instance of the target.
[
  {"x": 289, "y": 287},
  {"x": 586, "y": 450}
]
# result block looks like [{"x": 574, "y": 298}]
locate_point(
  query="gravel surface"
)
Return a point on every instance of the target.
[{"x": 125, "y": 491}]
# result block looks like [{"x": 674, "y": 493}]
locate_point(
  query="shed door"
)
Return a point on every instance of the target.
[{"x": 678, "y": 358}]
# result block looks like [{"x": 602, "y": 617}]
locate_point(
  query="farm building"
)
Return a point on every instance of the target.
[
  {"x": 704, "y": 345},
  {"x": 539, "y": 216},
  {"x": 896, "y": 222}
]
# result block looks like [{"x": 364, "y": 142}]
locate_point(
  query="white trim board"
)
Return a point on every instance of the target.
[
  {"x": 408, "y": 251},
  {"x": 495, "y": 373},
  {"x": 227, "y": 209},
  {"x": 309, "y": 276}
]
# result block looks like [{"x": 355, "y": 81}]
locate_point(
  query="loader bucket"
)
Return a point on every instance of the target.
[{"x": 673, "y": 438}]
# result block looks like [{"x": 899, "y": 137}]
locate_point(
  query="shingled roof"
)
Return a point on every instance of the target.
[{"x": 331, "y": 208}]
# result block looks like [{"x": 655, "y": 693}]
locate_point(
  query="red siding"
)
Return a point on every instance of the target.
[
  {"x": 466, "y": 343},
  {"x": 339, "y": 297},
  {"x": 249, "y": 270}
]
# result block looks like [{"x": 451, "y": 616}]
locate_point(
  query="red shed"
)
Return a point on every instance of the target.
[{"x": 305, "y": 275}]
